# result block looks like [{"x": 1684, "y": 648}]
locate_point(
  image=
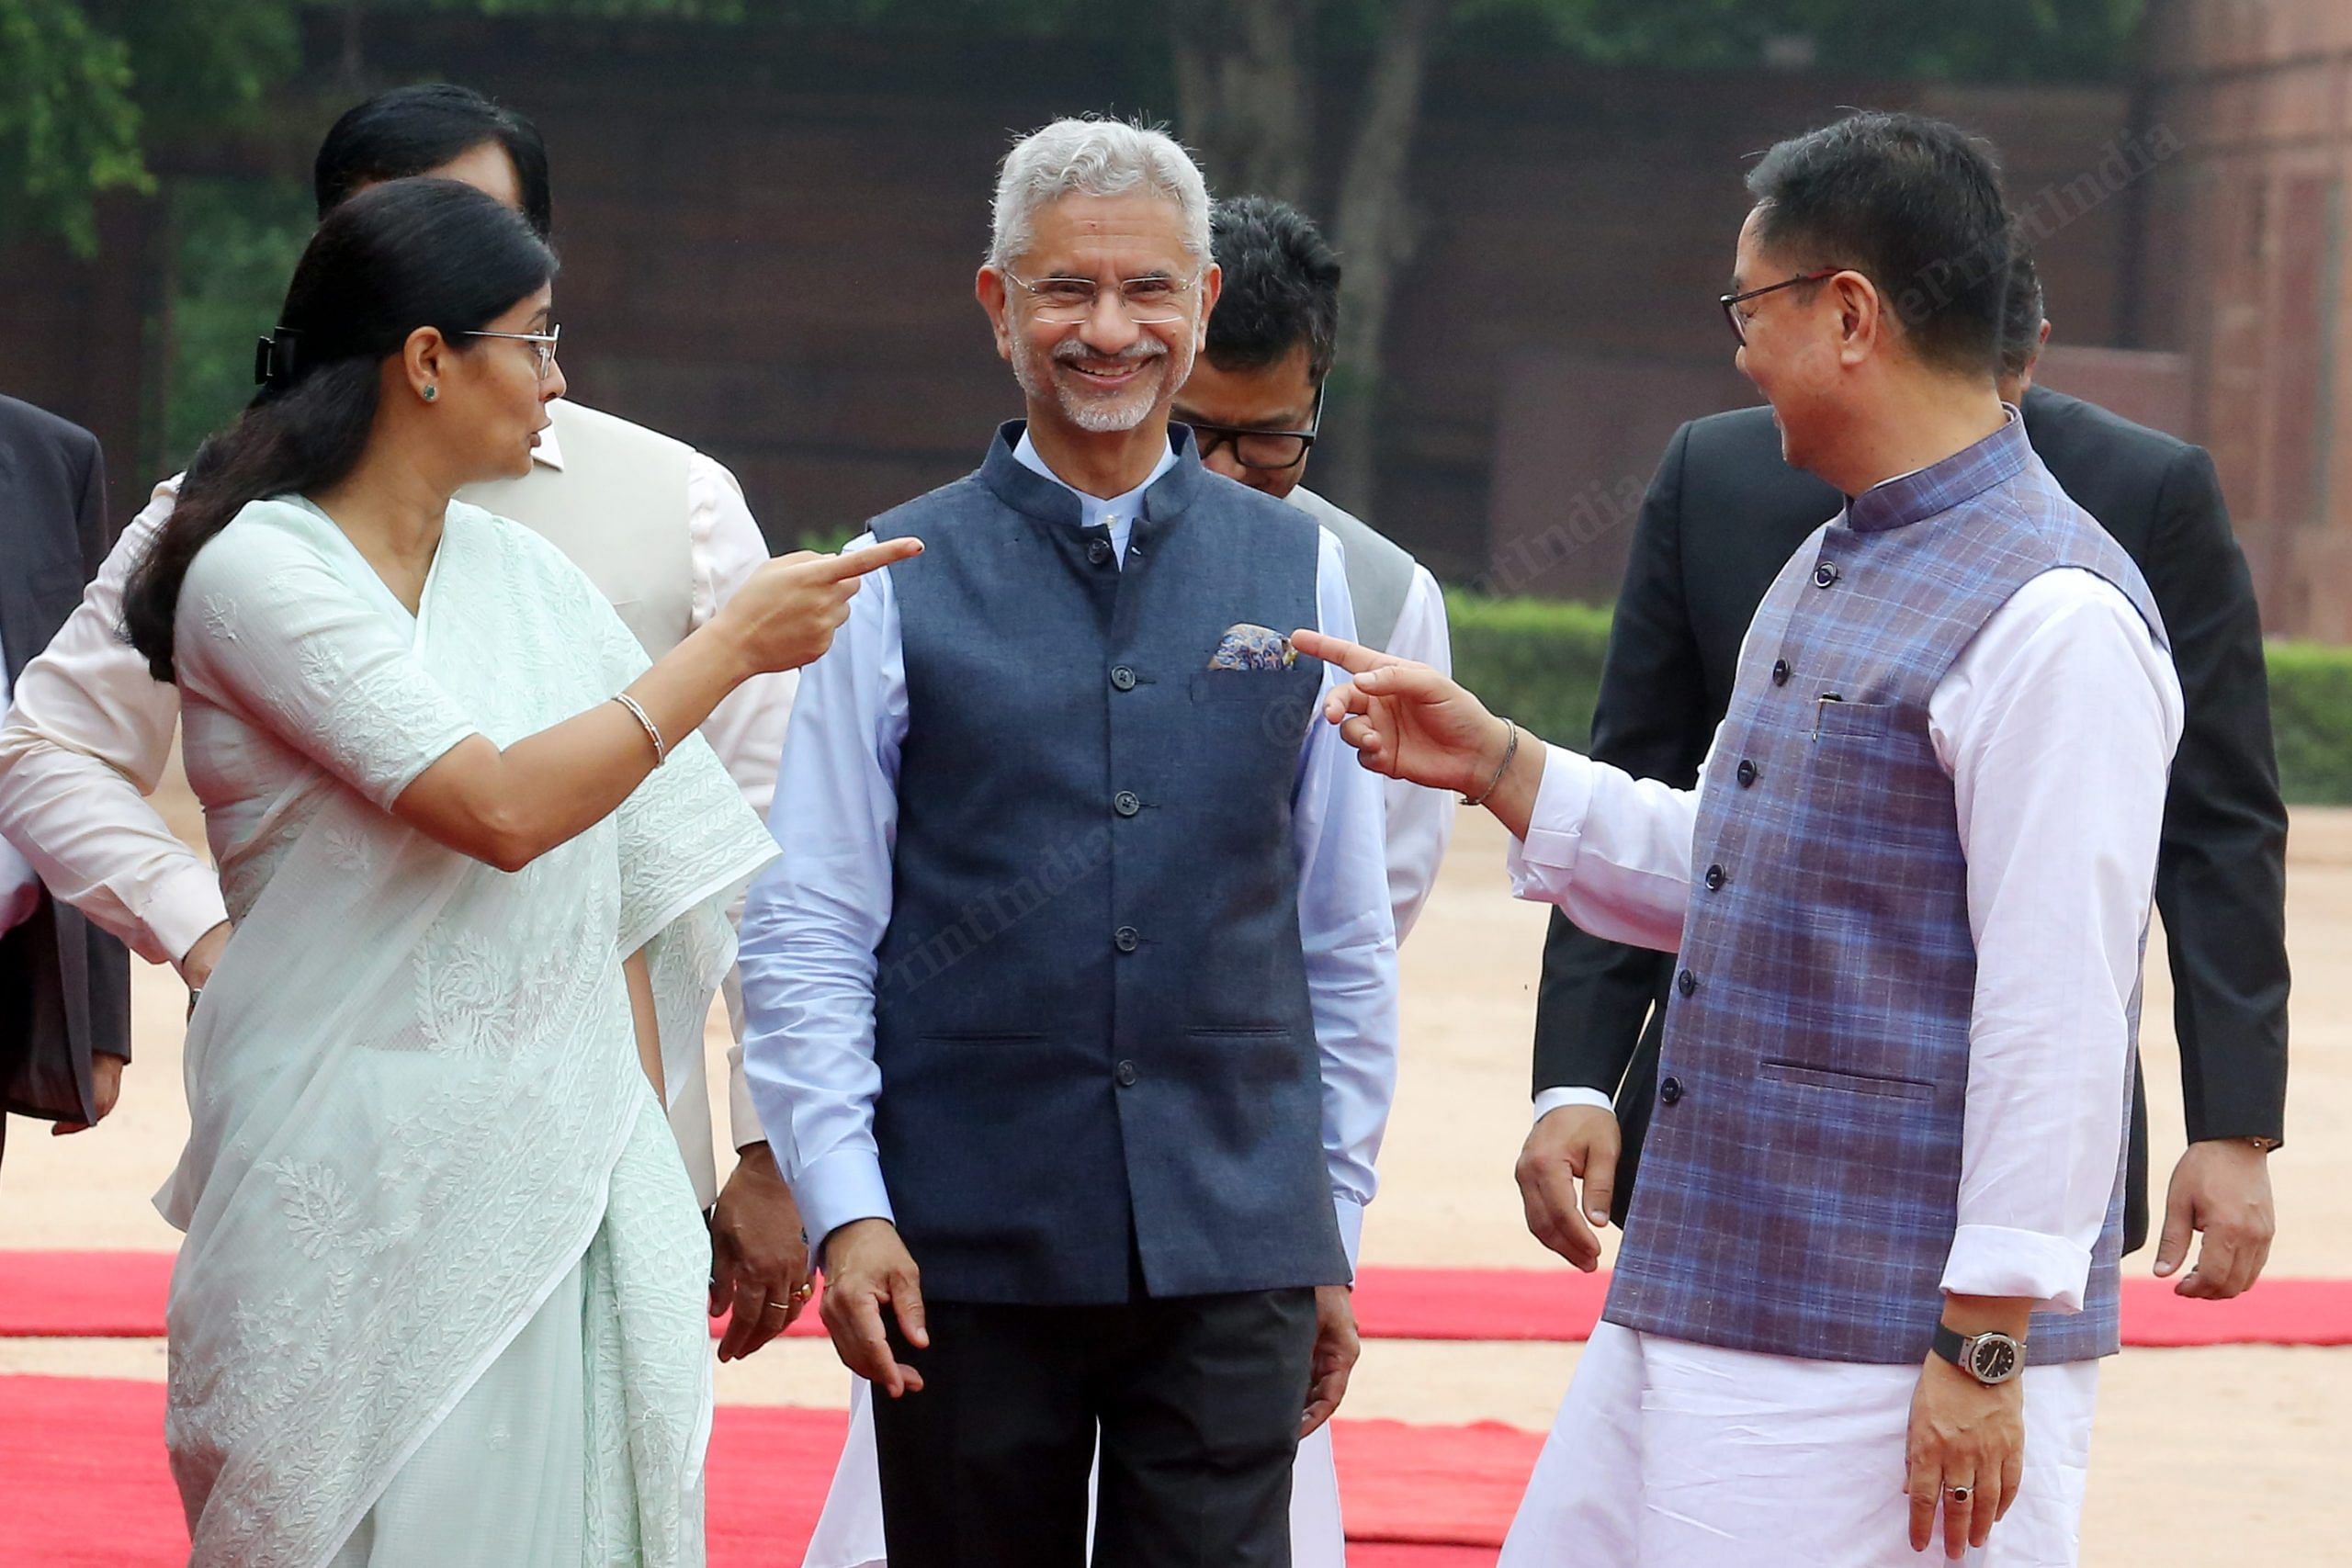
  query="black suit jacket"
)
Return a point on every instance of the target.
[
  {"x": 64, "y": 985},
  {"x": 1723, "y": 515}
]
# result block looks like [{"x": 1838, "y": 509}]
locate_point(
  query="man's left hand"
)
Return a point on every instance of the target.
[
  {"x": 1966, "y": 1436},
  {"x": 106, "y": 1087},
  {"x": 759, "y": 1260},
  {"x": 1336, "y": 1349},
  {"x": 2220, "y": 1187}
]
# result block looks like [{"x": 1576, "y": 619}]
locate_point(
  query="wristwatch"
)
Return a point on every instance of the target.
[{"x": 1992, "y": 1359}]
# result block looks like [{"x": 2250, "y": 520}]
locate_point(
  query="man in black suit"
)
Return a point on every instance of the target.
[
  {"x": 64, "y": 986},
  {"x": 1721, "y": 515}
]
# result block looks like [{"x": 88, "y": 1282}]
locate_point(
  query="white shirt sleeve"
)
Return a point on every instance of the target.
[
  {"x": 88, "y": 737},
  {"x": 724, "y": 547},
  {"x": 1610, "y": 850},
  {"x": 2058, "y": 725},
  {"x": 1345, "y": 927},
  {"x": 1420, "y": 820},
  {"x": 815, "y": 916}
]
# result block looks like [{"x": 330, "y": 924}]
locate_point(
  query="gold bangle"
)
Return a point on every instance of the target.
[
  {"x": 661, "y": 751},
  {"x": 1510, "y": 749}
]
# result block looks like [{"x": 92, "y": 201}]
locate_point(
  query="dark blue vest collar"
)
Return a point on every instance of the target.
[
  {"x": 1940, "y": 486},
  {"x": 1033, "y": 495}
]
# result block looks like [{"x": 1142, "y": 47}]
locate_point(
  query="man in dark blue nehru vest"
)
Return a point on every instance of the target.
[
  {"x": 1072, "y": 999},
  {"x": 1871, "y": 1262}
]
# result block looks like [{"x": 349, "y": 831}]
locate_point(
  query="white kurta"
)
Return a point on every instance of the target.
[{"x": 2057, "y": 724}]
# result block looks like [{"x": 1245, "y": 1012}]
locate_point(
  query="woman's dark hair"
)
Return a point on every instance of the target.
[
  {"x": 1913, "y": 204},
  {"x": 413, "y": 130},
  {"x": 396, "y": 257}
]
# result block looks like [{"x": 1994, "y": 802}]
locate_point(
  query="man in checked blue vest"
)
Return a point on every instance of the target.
[
  {"x": 1871, "y": 1261},
  {"x": 1073, "y": 1001}
]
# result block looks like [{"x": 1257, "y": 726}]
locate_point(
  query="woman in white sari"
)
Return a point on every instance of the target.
[{"x": 441, "y": 1298}]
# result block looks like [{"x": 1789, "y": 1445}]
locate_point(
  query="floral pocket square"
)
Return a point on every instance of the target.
[{"x": 1248, "y": 647}]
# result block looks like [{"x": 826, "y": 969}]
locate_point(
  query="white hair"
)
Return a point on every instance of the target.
[{"x": 1095, "y": 157}]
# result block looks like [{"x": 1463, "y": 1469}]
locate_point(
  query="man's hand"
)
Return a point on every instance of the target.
[
  {"x": 1336, "y": 1349},
  {"x": 1573, "y": 1142},
  {"x": 196, "y": 963},
  {"x": 2220, "y": 1187},
  {"x": 1405, "y": 720},
  {"x": 106, "y": 1087},
  {"x": 1963, "y": 1435},
  {"x": 759, "y": 1259},
  {"x": 867, "y": 1268}
]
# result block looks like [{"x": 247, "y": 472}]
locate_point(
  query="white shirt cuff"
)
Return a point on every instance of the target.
[
  {"x": 1552, "y": 1100},
  {"x": 1544, "y": 864},
  {"x": 1351, "y": 1214},
  {"x": 183, "y": 905},
  {"x": 840, "y": 1188},
  {"x": 1995, "y": 1260}
]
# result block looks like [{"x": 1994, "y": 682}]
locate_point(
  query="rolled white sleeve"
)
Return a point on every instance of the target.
[
  {"x": 1348, "y": 934},
  {"x": 1419, "y": 820},
  {"x": 87, "y": 738},
  {"x": 2058, "y": 725},
  {"x": 814, "y": 919}
]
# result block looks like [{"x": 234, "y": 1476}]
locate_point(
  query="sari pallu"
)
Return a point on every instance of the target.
[{"x": 412, "y": 1076}]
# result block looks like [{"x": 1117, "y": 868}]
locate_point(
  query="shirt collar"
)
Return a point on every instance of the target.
[
  {"x": 1091, "y": 506},
  {"x": 1937, "y": 488},
  {"x": 550, "y": 450}
]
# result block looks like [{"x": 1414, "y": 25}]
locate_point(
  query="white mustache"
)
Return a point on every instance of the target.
[{"x": 1070, "y": 351}]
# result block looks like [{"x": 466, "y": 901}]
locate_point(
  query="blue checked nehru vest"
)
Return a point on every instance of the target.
[
  {"x": 1091, "y": 1020},
  {"x": 1799, "y": 1190}
]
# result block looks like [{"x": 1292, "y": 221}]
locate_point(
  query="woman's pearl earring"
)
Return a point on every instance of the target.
[{"x": 431, "y": 393}]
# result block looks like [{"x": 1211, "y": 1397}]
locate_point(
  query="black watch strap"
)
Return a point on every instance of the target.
[{"x": 1951, "y": 1345}]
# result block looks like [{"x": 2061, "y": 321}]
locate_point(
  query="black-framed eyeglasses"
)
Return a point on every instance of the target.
[
  {"x": 1732, "y": 302},
  {"x": 1268, "y": 451},
  {"x": 542, "y": 346}
]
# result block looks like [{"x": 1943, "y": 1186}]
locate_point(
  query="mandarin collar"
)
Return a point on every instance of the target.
[
  {"x": 1937, "y": 488},
  {"x": 1049, "y": 500}
]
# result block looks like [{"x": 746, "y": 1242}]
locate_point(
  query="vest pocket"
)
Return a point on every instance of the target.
[
  {"x": 1881, "y": 1086},
  {"x": 981, "y": 1036}
]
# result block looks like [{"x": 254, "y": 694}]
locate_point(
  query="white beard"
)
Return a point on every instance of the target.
[{"x": 1101, "y": 414}]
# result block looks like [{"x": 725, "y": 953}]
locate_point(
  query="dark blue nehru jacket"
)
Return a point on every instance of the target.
[{"x": 1092, "y": 1013}]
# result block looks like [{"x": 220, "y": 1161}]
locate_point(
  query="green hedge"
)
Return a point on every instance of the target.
[{"x": 1540, "y": 660}]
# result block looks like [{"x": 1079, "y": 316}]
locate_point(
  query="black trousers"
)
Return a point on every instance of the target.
[{"x": 1197, "y": 1402}]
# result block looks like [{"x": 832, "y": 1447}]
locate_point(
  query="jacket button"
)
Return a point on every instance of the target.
[
  {"x": 1779, "y": 672},
  {"x": 1825, "y": 574},
  {"x": 1747, "y": 772},
  {"x": 1685, "y": 982},
  {"x": 1123, "y": 678},
  {"x": 1126, "y": 804},
  {"x": 1127, "y": 939},
  {"x": 1714, "y": 878},
  {"x": 1099, "y": 551},
  {"x": 1669, "y": 1091},
  {"x": 1126, "y": 1075}
]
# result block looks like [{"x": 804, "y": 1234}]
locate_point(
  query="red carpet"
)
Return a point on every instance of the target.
[
  {"x": 84, "y": 1483},
  {"x": 121, "y": 1296}
]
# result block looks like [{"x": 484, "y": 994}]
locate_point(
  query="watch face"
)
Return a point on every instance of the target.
[{"x": 1994, "y": 1359}]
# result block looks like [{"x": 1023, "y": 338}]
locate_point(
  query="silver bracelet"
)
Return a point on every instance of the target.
[
  {"x": 1510, "y": 749},
  {"x": 660, "y": 750}
]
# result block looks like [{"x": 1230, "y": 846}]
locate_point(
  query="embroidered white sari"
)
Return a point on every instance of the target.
[{"x": 419, "y": 1123}]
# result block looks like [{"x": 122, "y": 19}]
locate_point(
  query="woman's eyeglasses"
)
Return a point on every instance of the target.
[{"x": 542, "y": 346}]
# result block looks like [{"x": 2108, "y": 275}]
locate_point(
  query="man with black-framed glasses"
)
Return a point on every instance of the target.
[{"x": 1254, "y": 400}]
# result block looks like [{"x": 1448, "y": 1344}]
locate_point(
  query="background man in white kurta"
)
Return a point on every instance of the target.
[
  {"x": 1886, "y": 1173},
  {"x": 661, "y": 528}
]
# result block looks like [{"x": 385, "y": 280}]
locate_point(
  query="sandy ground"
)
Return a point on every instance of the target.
[{"x": 2200, "y": 1452}]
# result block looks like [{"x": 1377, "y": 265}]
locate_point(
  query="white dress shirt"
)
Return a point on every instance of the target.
[
  {"x": 2057, "y": 724},
  {"x": 1421, "y": 821},
  {"x": 814, "y": 919},
  {"x": 90, "y": 734}
]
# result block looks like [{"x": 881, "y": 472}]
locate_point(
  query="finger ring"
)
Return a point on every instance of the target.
[
  {"x": 804, "y": 1290},
  {"x": 776, "y": 1307},
  {"x": 1960, "y": 1493}
]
